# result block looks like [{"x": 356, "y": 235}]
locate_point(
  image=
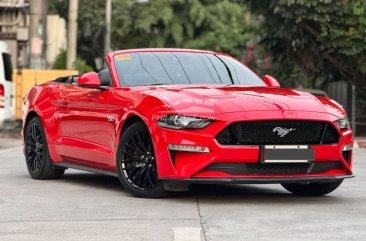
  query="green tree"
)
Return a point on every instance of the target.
[
  {"x": 206, "y": 24},
  {"x": 325, "y": 38},
  {"x": 216, "y": 25},
  {"x": 80, "y": 65},
  {"x": 91, "y": 26}
]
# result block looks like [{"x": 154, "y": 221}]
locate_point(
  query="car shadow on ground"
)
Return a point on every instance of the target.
[
  {"x": 93, "y": 180},
  {"x": 256, "y": 194},
  {"x": 207, "y": 193}
]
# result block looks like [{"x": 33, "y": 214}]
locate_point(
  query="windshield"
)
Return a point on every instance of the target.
[{"x": 158, "y": 68}]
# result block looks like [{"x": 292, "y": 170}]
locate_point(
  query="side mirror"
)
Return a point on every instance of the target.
[
  {"x": 89, "y": 80},
  {"x": 270, "y": 81}
]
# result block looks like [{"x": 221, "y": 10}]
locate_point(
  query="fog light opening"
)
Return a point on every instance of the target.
[
  {"x": 346, "y": 155},
  {"x": 202, "y": 149}
]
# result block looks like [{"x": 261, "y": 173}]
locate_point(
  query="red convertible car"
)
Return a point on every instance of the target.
[{"x": 161, "y": 119}]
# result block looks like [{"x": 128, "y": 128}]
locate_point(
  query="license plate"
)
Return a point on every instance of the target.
[{"x": 287, "y": 154}]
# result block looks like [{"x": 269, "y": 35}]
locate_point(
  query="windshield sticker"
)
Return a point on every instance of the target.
[{"x": 123, "y": 57}]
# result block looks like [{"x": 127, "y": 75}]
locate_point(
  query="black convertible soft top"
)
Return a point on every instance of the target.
[{"x": 67, "y": 79}]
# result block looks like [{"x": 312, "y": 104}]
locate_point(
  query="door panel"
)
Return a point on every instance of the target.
[{"x": 87, "y": 126}]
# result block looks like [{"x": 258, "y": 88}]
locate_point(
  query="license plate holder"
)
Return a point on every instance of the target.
[{"x": 287, "y": 154}]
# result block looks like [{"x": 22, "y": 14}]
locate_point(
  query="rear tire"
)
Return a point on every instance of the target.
[
  {"x": 39, "y": 163},
  {"x": 136, "y": 163},
  {"x": 312, "y": 189}
]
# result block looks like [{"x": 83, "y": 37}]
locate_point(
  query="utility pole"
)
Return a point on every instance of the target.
[
  {"x": 354, "y": 123},
  {"x": 44, "y": 62},
  {"x": 108, "y": 17},
  {"x": 72, "y": 33},
  {"x": 36, "y": 33}
]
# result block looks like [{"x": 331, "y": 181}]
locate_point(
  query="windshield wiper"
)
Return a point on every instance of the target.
[{"x": 227, "y": 68}]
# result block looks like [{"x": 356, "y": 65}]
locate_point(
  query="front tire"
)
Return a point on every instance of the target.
[
  {"x": 136, "y": 163},
  {"x": 36, "y": 153},
  {"x": 312, "y": 189}
]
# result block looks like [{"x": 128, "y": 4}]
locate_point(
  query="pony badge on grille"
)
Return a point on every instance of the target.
[{"x": 283, "y": 131}]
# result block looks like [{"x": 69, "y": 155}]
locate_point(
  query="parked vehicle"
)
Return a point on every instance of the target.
[
  {"x": 6, "y": 85},
  {"x": 160, "y": 119}
]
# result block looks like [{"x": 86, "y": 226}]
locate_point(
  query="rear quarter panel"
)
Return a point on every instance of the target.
[{"x": 40, "y": 100}]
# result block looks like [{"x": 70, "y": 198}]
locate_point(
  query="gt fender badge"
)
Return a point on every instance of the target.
[
  {"x": 283, "y": 131},
  {"x": 110, "y": 118}
]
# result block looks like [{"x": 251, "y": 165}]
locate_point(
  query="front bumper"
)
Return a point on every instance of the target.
[
  {"x": 193, "y": 167},
  {"x": 256, "y": 180}
]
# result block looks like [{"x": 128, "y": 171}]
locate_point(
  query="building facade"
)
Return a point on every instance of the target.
[
  {"x": 33, "y": 37},
  {"x": 14, "y": 29}
]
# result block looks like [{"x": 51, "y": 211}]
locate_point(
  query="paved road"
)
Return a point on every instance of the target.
[{"x": 84, "y": 206}]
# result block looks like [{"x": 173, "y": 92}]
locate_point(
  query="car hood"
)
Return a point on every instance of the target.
[{"x": 203, "y": 100}]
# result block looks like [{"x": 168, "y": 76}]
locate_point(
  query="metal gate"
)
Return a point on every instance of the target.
[{"x": 345, "y": 94}]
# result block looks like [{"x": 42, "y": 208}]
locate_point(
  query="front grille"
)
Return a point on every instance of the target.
[
  {"x": 273, "y": 168},
  {"x": 269, "y": 133}
]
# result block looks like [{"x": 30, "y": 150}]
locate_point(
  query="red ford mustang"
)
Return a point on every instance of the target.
[{"x": 160, "y": 119}]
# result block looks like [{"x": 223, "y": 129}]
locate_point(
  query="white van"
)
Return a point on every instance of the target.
[{"x": 6, "y": 85}]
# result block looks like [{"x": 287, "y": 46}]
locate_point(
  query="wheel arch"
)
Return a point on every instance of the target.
[
  {"x": 29, "y": 117},
  {"x": 130, "y": 120}
]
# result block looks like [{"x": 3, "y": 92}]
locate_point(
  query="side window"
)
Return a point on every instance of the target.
[
  {"x": 106, "y": 67},
  {"x": 105, "y": 77},
  {"x": 8, "y": 69}
]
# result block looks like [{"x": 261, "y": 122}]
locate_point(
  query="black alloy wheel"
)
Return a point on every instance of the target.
[
  {"x": 39, "y": 163},
  {"x": 34, "y": 147},
  {"x": 137, "y": 168}
]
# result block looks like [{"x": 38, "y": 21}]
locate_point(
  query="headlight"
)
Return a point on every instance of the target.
[
  {"x": 183, "y": 122},
  {"x": 343, "y": 123}
]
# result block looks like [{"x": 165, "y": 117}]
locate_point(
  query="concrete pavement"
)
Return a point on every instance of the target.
[{"x": 85, "y": 206}]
